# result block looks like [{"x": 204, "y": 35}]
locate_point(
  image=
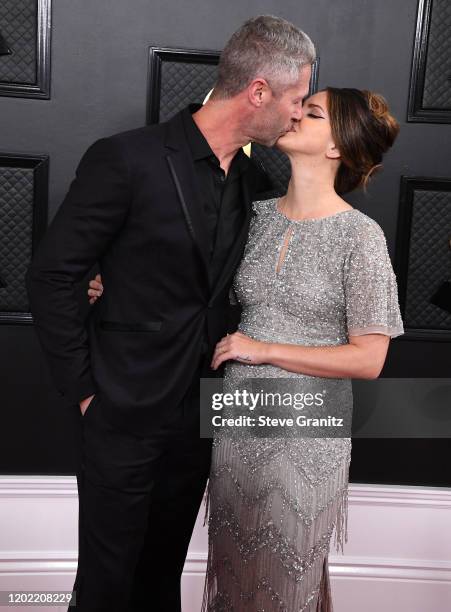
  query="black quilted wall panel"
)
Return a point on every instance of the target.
[
  {"x": 16, "y": 214},
  {"x": 425, "y": 252},
  {"x": 437, "y": 82},
  {"x": 430, "y": 83},
  {"x": 4, "y": 49},
  {"x": 23, "y": 205},
  {"x": 178, "y": 77},
  {"x": 182, "y": 83},
  {"x": 277, "y": 165},
  {"x": 25, "y": 29},
  {"x": 18, "y": 25}
]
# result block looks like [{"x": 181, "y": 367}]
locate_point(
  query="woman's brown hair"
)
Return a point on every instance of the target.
[{"x": 363, "y": 129}]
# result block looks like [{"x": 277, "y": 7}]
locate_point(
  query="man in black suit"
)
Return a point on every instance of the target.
[{"x": 165, "y": 211}]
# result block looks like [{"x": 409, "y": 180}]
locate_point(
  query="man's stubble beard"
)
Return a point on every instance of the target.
[{"x": 268, "y": 135}]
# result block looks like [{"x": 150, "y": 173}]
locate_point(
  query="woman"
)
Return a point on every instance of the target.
[{"x": 319, "y": 300}]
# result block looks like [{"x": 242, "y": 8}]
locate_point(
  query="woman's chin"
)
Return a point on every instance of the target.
[
  {"x": 285, "y": 142},
  {"x": 281, "y": 144}
]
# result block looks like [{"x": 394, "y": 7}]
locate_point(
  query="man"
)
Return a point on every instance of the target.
[{"x": 165, "y": 211}]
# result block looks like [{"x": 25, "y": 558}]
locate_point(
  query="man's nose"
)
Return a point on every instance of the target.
[{"x": 298, "y": 114}]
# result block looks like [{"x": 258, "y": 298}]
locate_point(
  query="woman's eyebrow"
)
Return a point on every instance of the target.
[{"x": 316, "y": 106}]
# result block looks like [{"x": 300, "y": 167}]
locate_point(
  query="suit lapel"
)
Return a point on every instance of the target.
[{"x": 183, "y": 173}]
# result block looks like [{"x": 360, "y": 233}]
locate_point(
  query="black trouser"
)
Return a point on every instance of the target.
[{"x": 138, "y": 501}]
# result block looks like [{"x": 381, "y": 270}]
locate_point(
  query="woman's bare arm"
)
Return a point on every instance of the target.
[{"x": 362, "y": 357}]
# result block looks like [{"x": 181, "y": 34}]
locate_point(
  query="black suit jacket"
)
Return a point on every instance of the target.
[{"x": 134, "y": 207}]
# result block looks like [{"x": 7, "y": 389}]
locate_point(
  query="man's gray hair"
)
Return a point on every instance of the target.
[{"x": 264, "y": 46}]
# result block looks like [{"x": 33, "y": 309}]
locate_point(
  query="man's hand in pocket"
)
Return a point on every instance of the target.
[{"x": 85, "y": 403}]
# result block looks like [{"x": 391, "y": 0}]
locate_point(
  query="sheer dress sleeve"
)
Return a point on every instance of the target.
[{"x": 371, "y": 290}]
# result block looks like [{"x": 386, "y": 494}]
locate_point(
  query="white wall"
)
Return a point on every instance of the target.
[{"x": 397, "y": 558}]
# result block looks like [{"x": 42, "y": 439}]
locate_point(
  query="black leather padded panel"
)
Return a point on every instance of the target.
[
  {"x": 429, "y": 259},
  {"x": 23, "y": 207},
  {"x": 18, "y": 25},
  {"x": 183, "y": 83},
  {"x": 16, "y": 224},
  {"x": 277, "y": 166},
  {"x": 437, "y": 81}
]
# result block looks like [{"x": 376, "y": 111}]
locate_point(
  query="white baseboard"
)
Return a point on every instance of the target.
[{"x": 397, "y": 558}]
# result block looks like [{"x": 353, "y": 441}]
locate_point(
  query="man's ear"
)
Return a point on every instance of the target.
[
  {"x": 333, "y": 151},
  {"x": 258, "y": 92}
]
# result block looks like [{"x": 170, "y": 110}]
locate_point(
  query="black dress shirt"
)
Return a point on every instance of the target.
[{"x": 222, "y": 195}]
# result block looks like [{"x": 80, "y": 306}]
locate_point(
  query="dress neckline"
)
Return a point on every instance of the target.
[{"x": 315, "y": 219}]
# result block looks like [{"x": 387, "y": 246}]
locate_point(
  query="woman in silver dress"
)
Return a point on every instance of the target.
[{"x": 319, "y": 300}]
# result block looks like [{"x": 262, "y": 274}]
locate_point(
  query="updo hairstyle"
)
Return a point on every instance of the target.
[{"x": 363, "y": 129}]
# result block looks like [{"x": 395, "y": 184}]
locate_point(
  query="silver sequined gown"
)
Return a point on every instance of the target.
[{"x": 274, "y": 503}]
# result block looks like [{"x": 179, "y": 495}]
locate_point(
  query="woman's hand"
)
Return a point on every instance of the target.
[
  {"x": 95, "y": 289},
  {"x": 239, "y": 347}
]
